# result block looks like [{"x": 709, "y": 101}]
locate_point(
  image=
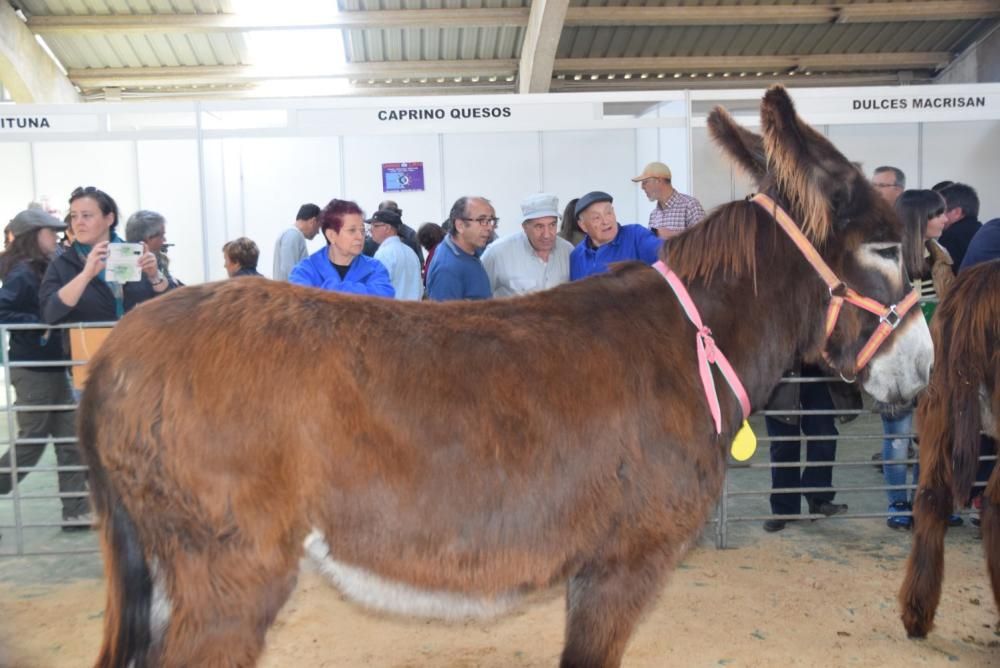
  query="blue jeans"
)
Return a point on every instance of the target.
[{"x": 894, "y": 448}]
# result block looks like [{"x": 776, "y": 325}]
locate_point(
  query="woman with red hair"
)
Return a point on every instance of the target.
[{"x": 341, "y": 266}]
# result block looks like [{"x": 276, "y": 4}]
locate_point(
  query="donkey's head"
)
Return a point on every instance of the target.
[{"x": 857, "y": 235}]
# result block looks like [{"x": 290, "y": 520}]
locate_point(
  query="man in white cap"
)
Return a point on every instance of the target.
[
  {"x": 536, "y": 258},
  {"x": 674, "y": 211}
]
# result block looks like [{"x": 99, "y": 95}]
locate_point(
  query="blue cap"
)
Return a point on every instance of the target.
[{"x": 591, "y": 198}]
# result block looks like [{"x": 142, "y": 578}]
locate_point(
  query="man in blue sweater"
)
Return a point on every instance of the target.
[
  {"x": 606, "y": 240},
  {"x": 455, "y": 271}
]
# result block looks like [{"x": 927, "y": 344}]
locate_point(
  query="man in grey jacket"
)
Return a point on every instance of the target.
[{"x": 290, "y": 248}]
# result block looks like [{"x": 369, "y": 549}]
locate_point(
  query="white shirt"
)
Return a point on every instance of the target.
[
  {"x": 514, "y": 267},
  {"x": 403, "y": 266}
]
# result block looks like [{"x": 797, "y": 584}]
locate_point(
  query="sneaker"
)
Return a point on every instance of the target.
[
  {"x": 772, "y": 526},
  {"x": 955, "y": 520},
  {"x": 827, "y": 508},
  {"x": 899, "y": 522},
  {"x": 84, "y": 522}
]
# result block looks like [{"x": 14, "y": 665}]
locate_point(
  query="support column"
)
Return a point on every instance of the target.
[
  {"x": 27, "y": 72},
  {"x": 541, "y": 39}
]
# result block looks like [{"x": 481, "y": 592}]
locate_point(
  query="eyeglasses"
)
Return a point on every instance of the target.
[
  {"x": 887, "y": 185},
  {"x": 484, "y": 221}
]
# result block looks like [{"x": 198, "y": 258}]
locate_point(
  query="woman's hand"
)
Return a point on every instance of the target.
[
  {"x": 147, "y": 262},
  {"x": 97, "y": 260}
]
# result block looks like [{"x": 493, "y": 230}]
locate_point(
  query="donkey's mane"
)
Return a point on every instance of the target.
[{"x": 724, "y": 242}]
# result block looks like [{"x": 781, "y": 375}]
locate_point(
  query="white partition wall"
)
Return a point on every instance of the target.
[
  {"x": 577, "y": 162},
  {"x": 219, "y": 170}
]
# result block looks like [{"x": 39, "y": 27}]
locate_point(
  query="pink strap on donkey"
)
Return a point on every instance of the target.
[{"x": 708, "y": 353}]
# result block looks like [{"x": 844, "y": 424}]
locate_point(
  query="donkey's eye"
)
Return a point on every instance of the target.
[{"x": 889, "y": 253}]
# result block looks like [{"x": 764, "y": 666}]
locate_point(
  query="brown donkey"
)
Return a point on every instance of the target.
[
  {"x": 444, "y": 459},
  {"x": 963, "y": 398}
]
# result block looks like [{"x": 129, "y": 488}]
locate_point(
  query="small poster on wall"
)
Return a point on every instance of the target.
[{"x": 402, "y": 176}]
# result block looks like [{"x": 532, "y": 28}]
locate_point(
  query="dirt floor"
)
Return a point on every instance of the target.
[{"x": 816, "y": 594}]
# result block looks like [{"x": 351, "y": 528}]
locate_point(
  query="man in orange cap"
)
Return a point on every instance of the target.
[{"x": 675, "y": 211}]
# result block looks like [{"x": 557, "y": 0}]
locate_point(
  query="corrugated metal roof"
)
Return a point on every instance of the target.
[
  {"x": 396, "y": 44},
  {"x": 153, "y": 49},
  {"x": 91, "y": 50}
]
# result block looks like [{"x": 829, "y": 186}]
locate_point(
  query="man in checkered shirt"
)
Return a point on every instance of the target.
[{"x": 674, "y": 211}]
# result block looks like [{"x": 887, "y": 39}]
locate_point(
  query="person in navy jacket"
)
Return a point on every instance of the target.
[
  {"x": 341, "y": 266},
  {"x": 606, "y": 240}
]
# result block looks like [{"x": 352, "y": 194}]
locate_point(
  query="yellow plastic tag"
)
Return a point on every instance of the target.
[{"x": 745, "y": 443}]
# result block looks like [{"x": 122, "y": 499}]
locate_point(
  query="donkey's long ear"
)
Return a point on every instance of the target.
[
  {"x": 743, "y": 146},
  {"x": 812, "y": 174}
]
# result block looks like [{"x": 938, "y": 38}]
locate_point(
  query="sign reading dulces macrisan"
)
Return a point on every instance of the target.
[{"x": 920, "y": 102}]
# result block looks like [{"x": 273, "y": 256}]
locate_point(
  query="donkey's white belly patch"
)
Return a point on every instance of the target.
[{"x": 372, "y": 591}]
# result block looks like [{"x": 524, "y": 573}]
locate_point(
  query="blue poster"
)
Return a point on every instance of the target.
[{"x": 402, "y": 176}]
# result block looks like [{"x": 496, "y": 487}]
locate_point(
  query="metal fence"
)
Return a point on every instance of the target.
[{"x": 31, "y": 524}]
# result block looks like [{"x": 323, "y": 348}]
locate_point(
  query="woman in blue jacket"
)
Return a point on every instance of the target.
[
  {"x": 341, "y": 266},
  {"x": 22, "y": 266}
]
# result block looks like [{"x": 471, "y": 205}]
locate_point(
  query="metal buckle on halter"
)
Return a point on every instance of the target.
[
  {"x": 891, "y": 317},
  {"x": 838, "y": 290}
]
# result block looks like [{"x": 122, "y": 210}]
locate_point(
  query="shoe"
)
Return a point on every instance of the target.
[
  {"x": 87, "y": 517},
  {"x": 772, "y": 526},
  {"x": 899, "y": 522},
  {"x": 827, "y": 508},
  {"x": 955, "y": 520},
  {"x": 975, "y": 520}
]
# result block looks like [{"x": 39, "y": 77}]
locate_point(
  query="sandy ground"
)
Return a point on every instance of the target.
[{"x": 817, "y": 594}]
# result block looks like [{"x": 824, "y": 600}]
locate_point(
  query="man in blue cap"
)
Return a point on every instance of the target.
[{"x": 606, "y": 240}]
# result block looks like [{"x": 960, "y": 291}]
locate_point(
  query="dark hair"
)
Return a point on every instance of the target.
[
  {"x": 332, "y": 215},
  {"x": 896, "y": 172},
  {"x": 941, "y": 185},
  {"x": 242, "y": 251},
  {"x": 960, "y": 195},
  {"x": 915, "y": 208},
  {"x": 104, "y": 201},
  {"x": 307, "y": 211},
  {"x": 569, "y": 223},
  {"x": 24, "y": 248},
  {"x": 430, "y": 235}
]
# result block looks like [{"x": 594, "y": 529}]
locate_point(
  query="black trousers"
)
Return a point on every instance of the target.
[{"x": 812, "y": 396}]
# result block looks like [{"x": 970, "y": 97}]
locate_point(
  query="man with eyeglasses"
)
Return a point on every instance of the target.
[
  {"x": 890, "y": 182},
  {"x": 536, "y": 258},
  {"x": 606, "y": 240},
  {"x": 456, "y": 271}
]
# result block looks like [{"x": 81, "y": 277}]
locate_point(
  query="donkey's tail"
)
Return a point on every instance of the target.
[
  {"x": 129, "y": 583},
  {"x": 966, "y": 330}
]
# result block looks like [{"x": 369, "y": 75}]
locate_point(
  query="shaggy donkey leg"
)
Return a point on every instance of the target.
[
  {"x": 604, "y": 602},
  {"x": 921, "y": 591},
  {"x": 991, "y": 531},
  {"x": 222, "y": 606}
]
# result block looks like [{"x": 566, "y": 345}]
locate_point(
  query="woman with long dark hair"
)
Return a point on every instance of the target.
[
  {"x": 22, "y": 266},
  {"x": 922, "y": 214}
]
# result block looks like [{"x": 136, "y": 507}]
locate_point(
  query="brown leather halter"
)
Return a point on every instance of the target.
[{"x": 889, "y": 316}]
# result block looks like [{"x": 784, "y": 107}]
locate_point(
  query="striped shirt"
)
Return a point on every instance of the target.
[{"x": 678, "y": 213}]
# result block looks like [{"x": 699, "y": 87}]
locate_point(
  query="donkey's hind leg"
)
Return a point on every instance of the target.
[
  {"x": 991, "y": 531},
  {"x": 604, "y": 602},
  {"x": 222, "y": 604},
  {"x": 921, "y": 591}
]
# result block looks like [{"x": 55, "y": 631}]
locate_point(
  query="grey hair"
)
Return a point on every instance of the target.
[{"x": 142, "y": 225}]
